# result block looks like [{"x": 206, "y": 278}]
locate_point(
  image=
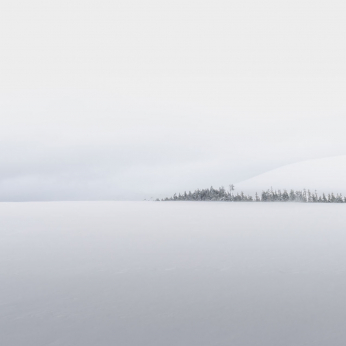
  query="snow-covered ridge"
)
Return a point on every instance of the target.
[
  {"x": 324, "y": 175},
  {"x": 322, "y": 180}
]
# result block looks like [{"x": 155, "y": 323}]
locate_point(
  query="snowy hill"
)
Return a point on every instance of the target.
[{"x": 324, "y": 175}]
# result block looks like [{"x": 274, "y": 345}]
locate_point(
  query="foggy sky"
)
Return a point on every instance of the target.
[{"x": 139, "y": 99}]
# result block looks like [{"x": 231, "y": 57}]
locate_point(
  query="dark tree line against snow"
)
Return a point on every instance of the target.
[{"x": 221, "y": 194}]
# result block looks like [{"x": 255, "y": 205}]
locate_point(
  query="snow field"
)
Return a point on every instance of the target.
[{"x": 173, "y": 273}]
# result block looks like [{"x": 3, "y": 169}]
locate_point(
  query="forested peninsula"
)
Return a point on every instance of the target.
[{"x": 221, "y": 194}]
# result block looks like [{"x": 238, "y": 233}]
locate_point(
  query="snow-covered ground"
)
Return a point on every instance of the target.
[
  {"x": 172, "y": 274},
  {"x": 324, "y": 175}
]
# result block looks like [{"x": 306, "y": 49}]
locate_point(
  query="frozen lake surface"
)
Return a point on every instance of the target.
[{"x": 172, "y": 274}]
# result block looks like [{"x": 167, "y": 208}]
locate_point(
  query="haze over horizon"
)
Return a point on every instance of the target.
[
  {"x": 107, "y": 104},
  {"x": 128, "y": 99}
]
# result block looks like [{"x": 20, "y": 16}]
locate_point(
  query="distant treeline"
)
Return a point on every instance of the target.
[{"x": 221, "y": 194}]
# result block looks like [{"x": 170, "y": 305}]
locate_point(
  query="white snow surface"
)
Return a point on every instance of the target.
[
  {"x": 324, "y": 175},
  {"x": 172, "y": 273}
]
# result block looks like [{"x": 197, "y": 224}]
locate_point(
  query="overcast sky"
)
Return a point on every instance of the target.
[{"x": 138, "y": 99}]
